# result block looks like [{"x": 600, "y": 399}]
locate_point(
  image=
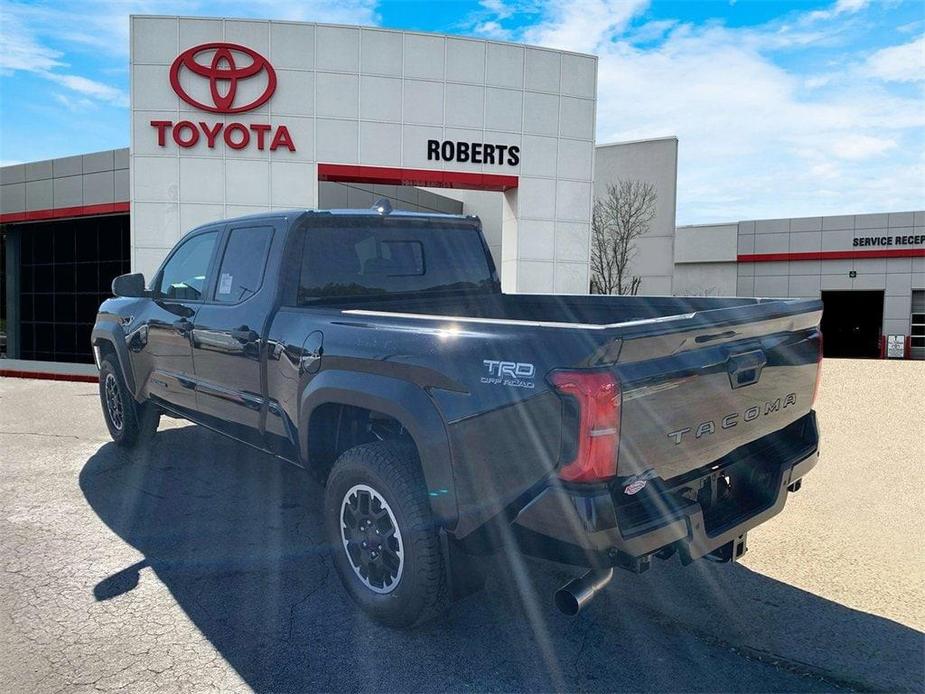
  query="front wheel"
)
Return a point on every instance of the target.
[
  {"x": 383, "y": 538},
  {"x": 129, "y": 422}
]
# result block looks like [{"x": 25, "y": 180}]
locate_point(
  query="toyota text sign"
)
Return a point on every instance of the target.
[{"x": 224, "y": 78}]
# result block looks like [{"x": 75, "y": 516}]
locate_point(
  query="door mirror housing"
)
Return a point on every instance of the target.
[{"x": 131, "y": 285}]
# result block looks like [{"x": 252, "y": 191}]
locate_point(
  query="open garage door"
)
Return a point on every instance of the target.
[{"x": 851, "y": 323}]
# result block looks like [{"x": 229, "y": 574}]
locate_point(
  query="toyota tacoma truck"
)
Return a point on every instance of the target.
[{"x": 448, "y": 420}]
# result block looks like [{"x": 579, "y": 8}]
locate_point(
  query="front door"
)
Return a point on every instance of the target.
[
  {"x": 164, "y": 360},
  {"x": 228, "y": 332}
]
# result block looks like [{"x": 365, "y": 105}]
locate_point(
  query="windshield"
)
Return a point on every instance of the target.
[{"x": 384, "y": 256}]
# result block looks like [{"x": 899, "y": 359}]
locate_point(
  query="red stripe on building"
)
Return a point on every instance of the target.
[
  {"x": 48, "y": 376},
  {"x": 65, "y": 212},
  {"x": 349, "y": 173},
  {"x": 832, "y": 255}
]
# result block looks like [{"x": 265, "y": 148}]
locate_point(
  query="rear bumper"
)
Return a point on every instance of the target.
[{"x": 600, "y": 527}]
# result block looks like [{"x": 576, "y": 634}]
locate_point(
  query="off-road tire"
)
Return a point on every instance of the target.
[
  {"x": 392, "y": 470},
  {"x": 137, "y": 422}
]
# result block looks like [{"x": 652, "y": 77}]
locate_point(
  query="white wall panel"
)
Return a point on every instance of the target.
[
  {"x": 293, "y": 45},
  {"x": 576, "y": 118},
  {"x": 193, "y": 215},
  {"x": 574, "y": 158},
  {"x": 337, "y": 48},
  {"x": 337, "y": 95},
  {"x": 539, "y": 156},
  {"x": 578, "y": 75},
  {"x": 202, "y": 180},
  {"x": 572, "y": 242},
  {"x": 465, "y": 60},
  {"x": 156, "y": 179},
  {"x": 504, "y": 65},
  {"x": 572, "y": 278},
  {"x": 541, "y": 72},
  {"x": 293, "y": 184},
  {"x": 254, "y": 35},
  {"x": 337, "y": 140},
  {"x": 380, "y": 98},
  {"x": 465, "y": 105},
  {"x": 247, "y": 182},
  {"x": 155, "y": 224},
  {"x": 154, "y": 40},
  {"x": 380, "y": 52},
  {"x": 541, "y": 114},
  {"x": 380, "y": 143},
  {"x": 295, "y": 93},
  {"x": 424, "y": 56},
  {"x": 536, "y": 239},
  {"x": 504, "y": 109},
  {"x": 423, "y": 102}
]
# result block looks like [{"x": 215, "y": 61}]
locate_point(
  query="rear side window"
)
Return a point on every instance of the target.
[
  {"x": 358, "y": 257},
  {"x": 184, "y": 275},
  {"x": 241, "y": 271}
]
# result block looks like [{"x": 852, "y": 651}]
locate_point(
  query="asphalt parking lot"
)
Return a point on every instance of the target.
[{"x": 199, "y": 565}]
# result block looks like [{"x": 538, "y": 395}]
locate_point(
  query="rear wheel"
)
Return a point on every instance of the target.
[
  {"x": 383, "y": 539},
  {"x": 129, "y": 422}
]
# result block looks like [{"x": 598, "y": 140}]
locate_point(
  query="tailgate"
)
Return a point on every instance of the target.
[{"x": 697, "y": 387}]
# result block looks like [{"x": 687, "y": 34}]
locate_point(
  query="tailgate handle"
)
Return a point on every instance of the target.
[{"x": 745, "y": 369}]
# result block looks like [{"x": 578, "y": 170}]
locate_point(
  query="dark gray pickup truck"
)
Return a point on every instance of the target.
[{"x": 449, "y": 420}]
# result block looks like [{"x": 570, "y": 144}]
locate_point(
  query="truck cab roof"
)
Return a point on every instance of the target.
[{"x": 296, "y": 213}]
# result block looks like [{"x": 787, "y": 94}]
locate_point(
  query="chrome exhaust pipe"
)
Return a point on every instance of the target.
[{"x": 574, "y": 595}]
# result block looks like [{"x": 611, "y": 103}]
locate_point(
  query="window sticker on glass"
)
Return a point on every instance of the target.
[{"x": 224, "y": 285}]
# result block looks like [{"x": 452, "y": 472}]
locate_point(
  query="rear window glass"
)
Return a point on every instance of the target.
[{"x": 391, "y": 256}]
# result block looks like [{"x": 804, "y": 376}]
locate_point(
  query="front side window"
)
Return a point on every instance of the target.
[
  {"x": 184, "y": 276},
  {"x": 241, "y": 272}
]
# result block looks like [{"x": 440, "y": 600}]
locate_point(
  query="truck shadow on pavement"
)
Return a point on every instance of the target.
[{"x": 237, "y": 538}]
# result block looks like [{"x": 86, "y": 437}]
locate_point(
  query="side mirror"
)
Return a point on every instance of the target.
[{"x": 131, "y": 285}]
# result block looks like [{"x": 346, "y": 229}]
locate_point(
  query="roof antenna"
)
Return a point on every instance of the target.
[{"x": 382, "y": 206}]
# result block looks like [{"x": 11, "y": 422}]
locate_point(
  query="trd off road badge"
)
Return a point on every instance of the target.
[{"x": 516, "y": 374}]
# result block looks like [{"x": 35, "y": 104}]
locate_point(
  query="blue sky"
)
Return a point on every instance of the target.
[{"x": 781, "y": 108}]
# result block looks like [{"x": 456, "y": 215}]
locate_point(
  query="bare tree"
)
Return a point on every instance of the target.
[
  {"x": 618, "y": 219},
  {"x": 698, "y": 291}
]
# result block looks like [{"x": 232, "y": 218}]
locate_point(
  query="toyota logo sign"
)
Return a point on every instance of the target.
[
  {"x": 222, "y": 70},
  {"x": 223, "y": 74}
]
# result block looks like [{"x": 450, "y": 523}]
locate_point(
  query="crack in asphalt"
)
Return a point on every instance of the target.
[{"x": 40, "y": 433}]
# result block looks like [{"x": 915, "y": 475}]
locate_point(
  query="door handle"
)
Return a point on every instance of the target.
[
  {"x": 745, "y": 369},
  {"x": 245, "y": 334}
]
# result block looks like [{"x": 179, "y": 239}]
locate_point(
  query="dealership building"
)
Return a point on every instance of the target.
[{"x": 231, "y": 117}]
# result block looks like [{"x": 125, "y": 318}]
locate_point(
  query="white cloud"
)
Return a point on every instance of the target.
[
  {"x": 903, "y": 63},
  {"x": 862, "y": 147},
  {"x": 19, "y": 47},
  {"x": 89, "y": 88},
  {"x": 75, "y": 105},
  {"x": 493, "y": 30},
  {"x": 498, "y": 8},
  {"x": 841, "y": 7},
  {"x": 582, "y": 26}
]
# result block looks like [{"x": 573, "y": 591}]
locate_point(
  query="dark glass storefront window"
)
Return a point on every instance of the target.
[
  {"x": 67, "y": 271},
  {"x": 2, "y": 293}
]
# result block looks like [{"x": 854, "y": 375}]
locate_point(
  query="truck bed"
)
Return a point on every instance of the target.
[{"x": 544, "y": 308}]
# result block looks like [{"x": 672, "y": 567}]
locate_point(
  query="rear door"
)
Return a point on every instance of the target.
[{"x": 228, "y": 333}]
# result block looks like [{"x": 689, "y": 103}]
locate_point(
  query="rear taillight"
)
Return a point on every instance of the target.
[
  {"x": 598, "y": 396},
  {"x": 818, "y": 371}
]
